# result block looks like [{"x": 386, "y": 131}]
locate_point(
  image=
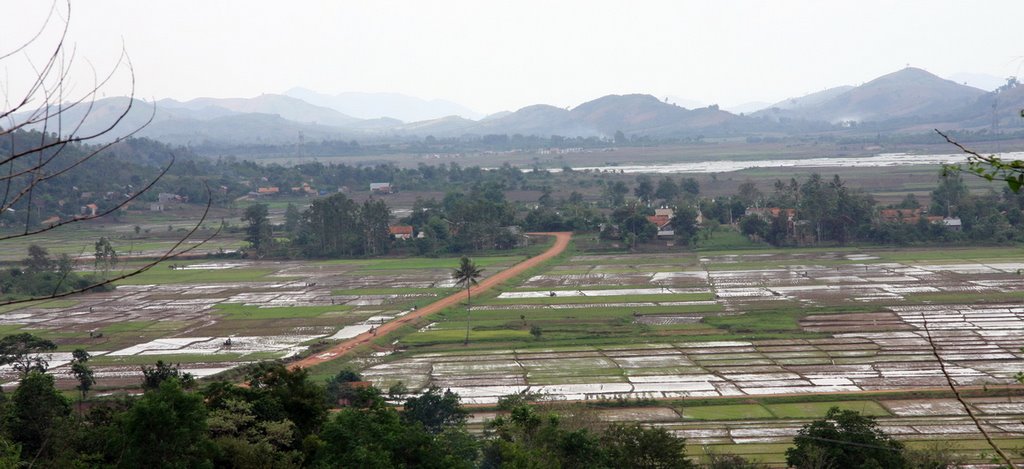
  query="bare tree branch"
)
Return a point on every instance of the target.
[
  {"x": 170, "y": 253},
  {"x": 959, "y": 398},
  {"x": 44, "y": 105},
  {"x": 98, "y": 215}
]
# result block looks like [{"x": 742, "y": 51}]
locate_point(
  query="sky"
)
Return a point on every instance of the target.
[{"x": 503, "y": 55}]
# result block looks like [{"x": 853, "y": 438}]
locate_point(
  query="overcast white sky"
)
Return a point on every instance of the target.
[{"x": 493, "y": 56}]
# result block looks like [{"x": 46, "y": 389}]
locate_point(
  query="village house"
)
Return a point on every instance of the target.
[
  {"x": 381, "y": 188},
  {"x": 910, "y": 216},
  {"x": 266, "y": 191},
  {"x": 305, "y": 189},
  {"x": 402, "y": 232},
  {"x": 166, "y": 198},
  {"x": 767, "y": 213},
  {"x": 662, "y": 218},
  {"x": 89, "y": 210}
]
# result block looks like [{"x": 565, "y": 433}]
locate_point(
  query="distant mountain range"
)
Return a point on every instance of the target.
[
  {"x": 907, "y": 100},
  {"x": 377, "y": 105},
  {"x": 910, "y": 92}
]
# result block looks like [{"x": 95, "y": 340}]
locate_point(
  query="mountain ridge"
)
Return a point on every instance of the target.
[{"x": 905, "y": 100}]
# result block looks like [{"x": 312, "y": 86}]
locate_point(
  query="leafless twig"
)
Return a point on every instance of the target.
[{"x": 959, "y": 398}]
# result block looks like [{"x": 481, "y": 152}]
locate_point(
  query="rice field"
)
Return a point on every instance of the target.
[
  {"x": 212, "y": 316},
  {"x": 707, "y": 326},
  {"x": 732, "y": 350}
]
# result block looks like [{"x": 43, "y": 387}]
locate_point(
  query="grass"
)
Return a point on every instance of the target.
[
  {"x": 727, "y": 412},
  {"x": 241, "y": 311},
  {"x": 455, "y": 335},
  {"x": 760, "y": 321},
  {"x": 727, "y": 238},
  {"x": 414, "y": 263},
  {"x": 161, "y": 274},
  {"x": 945, "y": 254},
  {"x": 57, "y": 303},
  {"x": 815, "y": 410}
]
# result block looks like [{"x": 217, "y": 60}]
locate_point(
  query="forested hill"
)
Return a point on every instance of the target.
[{"x": 900, "y": 102}]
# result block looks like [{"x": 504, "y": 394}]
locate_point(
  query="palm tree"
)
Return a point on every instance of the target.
[{"x": 466, "y": 274}]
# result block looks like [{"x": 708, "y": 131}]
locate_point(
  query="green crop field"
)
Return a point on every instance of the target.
[
  {"x": 240, "y": 311},
  {"x": 162, "y": 274}
]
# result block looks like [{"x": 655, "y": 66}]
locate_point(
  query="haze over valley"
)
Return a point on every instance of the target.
[{"x": 483, "y": 235}]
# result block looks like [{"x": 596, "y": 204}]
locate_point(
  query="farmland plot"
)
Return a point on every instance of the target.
[
  {"x": 854, "y": 321},
  {"x": 210, "y": 317}
]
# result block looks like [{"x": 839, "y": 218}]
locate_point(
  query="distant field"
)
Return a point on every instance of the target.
[{"x": 162, "y": 274}]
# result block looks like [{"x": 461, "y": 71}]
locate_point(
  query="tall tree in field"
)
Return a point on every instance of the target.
[
  {"x": 105, "y": 255},
  {"x": 258, "y": 232},
  {"x": 467, "y": 275},
  {"x": 83, "y": 373},
  {"x": 373, "y": 217},
  {"x": 25, "y": 352},
  {"x": 946, "y": 198}
]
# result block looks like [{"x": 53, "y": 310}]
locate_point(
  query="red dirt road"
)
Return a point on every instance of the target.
[{"x": 342, "y": 348}]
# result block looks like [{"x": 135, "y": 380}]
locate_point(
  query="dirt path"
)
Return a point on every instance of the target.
[{"x": 339, "y": 350}]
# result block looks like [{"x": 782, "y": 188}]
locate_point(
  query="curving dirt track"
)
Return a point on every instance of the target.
[{"x": 339, "y": 350}]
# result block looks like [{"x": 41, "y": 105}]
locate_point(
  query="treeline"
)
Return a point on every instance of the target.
[
  {"x": 282, "y": 419},
  {"x": 41, "y": 275},
  {"x": 121, "y": 171},
  {"x": 818, "y": 211},
  {"x": 408, "y": 145},
  {"x": 337, "y": 226}
]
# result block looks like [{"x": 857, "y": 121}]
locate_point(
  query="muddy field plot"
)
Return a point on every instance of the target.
[
  {"x": 707, "y": 325},
  {"x": 212, "y": 316}
]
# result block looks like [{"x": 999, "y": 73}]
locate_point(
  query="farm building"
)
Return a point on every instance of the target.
[
  {"x": 381, "y": 188},
  {"x": 401, "y": 231}
]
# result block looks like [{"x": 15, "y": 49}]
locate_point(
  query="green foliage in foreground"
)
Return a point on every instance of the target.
[
  {"x": 844, "y": 438},
  {"x": 281, "y": 419}
]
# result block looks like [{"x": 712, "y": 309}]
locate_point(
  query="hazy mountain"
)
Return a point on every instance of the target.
[
  {"x": 747, "y": 108},
  {"x": 540, "y": 119},
  {"x": 908, "y": 100},
  {"x": 684, "y": 102},
  {"x": 445, "y": 126},
  {"x": 290, "y": 108},
  {"x": 981, "y": 81},
  {"x": 496, "y": 115},
  {"x": 97, "y": 117},
  {"x": 379, "y": 124},
  {"x": 645, "y": 114},
  {"x": 394, "y": 105},
  {"x": 196, "y": 123},
  {"x": 908, "y": 93},
  {"x": 250, "y": 128},
  {"x": 810, "y": 100},
  {"x": 1000, "y": 108}
]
